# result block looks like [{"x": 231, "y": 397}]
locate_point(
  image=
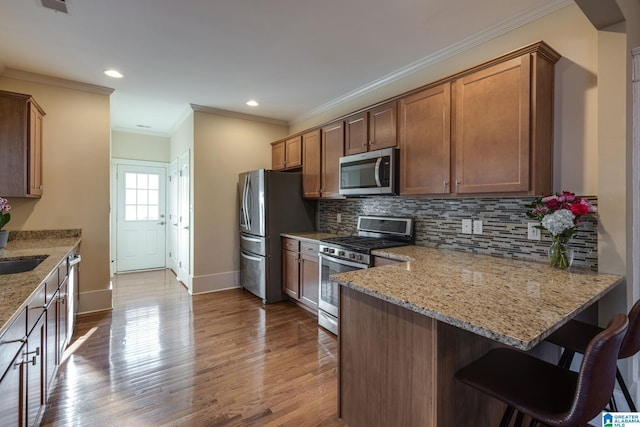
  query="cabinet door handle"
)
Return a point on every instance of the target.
[
  {"x": 35, "y": 352},
  {"x": 444, "y": 184}
]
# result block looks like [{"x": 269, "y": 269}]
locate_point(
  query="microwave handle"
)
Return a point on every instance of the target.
[{"x": 377, "y": 171}]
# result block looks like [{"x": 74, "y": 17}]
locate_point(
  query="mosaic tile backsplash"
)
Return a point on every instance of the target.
[{"x": 439, "y": 224}]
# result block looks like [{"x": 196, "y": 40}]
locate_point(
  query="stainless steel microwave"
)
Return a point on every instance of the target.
[{"x": 372, "y": 173}]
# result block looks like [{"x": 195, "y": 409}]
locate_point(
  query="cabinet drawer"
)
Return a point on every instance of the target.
[
  {"x": 36, "y": 307},
  {"x": 12, "y": 340},
  {"x": 290, "y": 244},
  {"x": 309, "y": 248}
]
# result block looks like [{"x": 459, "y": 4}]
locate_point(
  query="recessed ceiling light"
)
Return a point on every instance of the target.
[
  {"x": 252, "y": 103},
  {"x": 114, "y": 73}
]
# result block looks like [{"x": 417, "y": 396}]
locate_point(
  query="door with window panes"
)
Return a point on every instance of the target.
[{"x": 141, "y": 222}]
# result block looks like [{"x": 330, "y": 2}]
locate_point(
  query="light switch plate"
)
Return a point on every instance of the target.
[
  {"x": 466, "y": 226},
  {"x": 533, "y": 233},
  {"x": 338, "y": 218},
  {"x": 477, "y": 226}
]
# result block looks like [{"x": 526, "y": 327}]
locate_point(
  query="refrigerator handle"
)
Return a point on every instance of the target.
[
  {"x": 246, "y": 212},
  {"x": 245, "y": 215},
  {"x": 250, "y": 258}
]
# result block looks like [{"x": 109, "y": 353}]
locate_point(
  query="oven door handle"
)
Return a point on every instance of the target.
[{"x": 342, "y": 261}]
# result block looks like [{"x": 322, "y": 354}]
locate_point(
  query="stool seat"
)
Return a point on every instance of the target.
[
  {"x": 520, "y": 380},
  {"x": 549, "y": 393},
  {"x": 574, "y": 335}
]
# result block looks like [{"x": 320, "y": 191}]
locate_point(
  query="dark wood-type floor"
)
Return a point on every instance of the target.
[{"x": 164, "y": 358}]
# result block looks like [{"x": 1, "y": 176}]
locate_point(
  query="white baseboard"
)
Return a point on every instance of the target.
[
  {"x": 92, "y": 301},
  {"x": 215, "y": 282}
]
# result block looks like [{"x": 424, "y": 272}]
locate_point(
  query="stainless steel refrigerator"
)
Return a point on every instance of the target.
[{"x": 270, "y": 203}]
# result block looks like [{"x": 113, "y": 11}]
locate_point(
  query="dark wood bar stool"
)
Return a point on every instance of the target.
[
  {"x": 575, "y": 336},
  {"x": 549, "y": 393}
]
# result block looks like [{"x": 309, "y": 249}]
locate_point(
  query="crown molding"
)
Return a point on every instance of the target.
[
  {"x": 237, "y": 115},
  {"x": 54, "y": 81},
  {"x": 440, "y": 55}
]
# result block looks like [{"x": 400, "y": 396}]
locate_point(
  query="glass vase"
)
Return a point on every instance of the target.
[{"x": 560, "y": 253}]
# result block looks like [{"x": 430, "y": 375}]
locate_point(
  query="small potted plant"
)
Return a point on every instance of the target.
[{"x": 5, "y": 217}]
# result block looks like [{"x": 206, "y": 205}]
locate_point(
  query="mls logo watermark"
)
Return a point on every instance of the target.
[{"x": 621, "y": 419}]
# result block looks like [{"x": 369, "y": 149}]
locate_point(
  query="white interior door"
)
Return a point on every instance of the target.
[
  {"x": 141, "y": 225},
  {"x": 184, "y": 219},
  {"x": 173, "y": 216}
]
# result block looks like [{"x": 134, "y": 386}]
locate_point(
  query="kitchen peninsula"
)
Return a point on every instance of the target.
[{"x": 405, "y": 329}]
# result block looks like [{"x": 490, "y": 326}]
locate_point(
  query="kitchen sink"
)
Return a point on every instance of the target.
[{"x": 13, "y": 266}]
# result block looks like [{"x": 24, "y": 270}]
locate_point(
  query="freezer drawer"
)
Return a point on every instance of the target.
[
  {"x": 253, "y": 273},
  {"x": 253, "y": 244}
]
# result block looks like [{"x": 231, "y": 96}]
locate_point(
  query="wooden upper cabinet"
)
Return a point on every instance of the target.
[
  {"x": 293, "y": 152},
  {"x": 356, "y": 138},
  {"x": 287, "y": 154},
  {"x": 277, "y": 155},
  {"x": 382, "y": 126},
  {"x": 35, "y": 150},
  {"x": 311, "y": 164},
  {"x": 503, "y": 137},
  {"x": 332, "y": 142},
  {"x": 425, "y": 141},
  {"x": 370, "y": 130},
  {"x": 21, "y": 145}
]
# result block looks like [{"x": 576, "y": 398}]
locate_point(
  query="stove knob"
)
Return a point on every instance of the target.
[
  {"x": 325, "y": 249},
  {"x": 333, "y": 251},
  {"x": 341, "y": 253},
  {"x": 359, "y": 257},
  {"x": 352, "y": 256}
]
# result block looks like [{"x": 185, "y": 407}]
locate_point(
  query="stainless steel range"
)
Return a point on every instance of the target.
[{"x": 342, "y": 254}]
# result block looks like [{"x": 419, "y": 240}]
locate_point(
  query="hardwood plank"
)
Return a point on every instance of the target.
[{"x": 162, "y": 357}]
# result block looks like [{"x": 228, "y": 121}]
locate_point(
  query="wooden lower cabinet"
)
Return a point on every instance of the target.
[
  {"x": 12, "y": 385},
  {"x": 309, "y": 276},
  {"x": 35, "y": 361},
  {"x": 300, "y": 272},
  {"x": 399, "y": 369},
  {"x": 31, "y": 349},
  {"x": 291, "y": 273}
]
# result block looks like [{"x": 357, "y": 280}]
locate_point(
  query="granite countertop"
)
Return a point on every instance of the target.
[
  {"x": 309, "y": 236},
  {"x": 15, "y": 289},
  {"x": 518, "y": 303}
]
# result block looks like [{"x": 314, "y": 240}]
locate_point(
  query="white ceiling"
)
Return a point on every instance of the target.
[{"x": 296, "y": 57}]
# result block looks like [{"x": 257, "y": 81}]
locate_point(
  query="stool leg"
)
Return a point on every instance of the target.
[
  {"x": 533, "y": 423},
  {"x": 625, "y": 391},
  {"x": 508, "y": 413},
  {"x": 518, "y": 421}
]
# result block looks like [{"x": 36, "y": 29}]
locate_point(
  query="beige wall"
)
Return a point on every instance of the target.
[
  {"x": 136, "y": 146},
  {"x": 223, "y": 148},
  {"x": 76, "y": 138}
]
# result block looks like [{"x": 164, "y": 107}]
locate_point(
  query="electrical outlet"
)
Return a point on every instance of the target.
[
  {"x": 533, "y": 233},
  {"x": 338, "y": 218},
  {"x": 466, "y": 226},
  {"x": 477, "y": 227}
]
